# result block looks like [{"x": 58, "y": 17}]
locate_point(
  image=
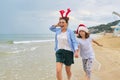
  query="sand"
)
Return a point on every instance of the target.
[{"x": 108, "y": 56}]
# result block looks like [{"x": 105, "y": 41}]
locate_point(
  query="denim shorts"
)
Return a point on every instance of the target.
[{"x": 65, "y": 56}]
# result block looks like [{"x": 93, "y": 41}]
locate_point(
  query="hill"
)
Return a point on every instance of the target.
[{"x": 103, "y": 27}]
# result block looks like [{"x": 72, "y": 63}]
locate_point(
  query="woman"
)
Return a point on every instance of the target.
[
  {"x": 66, "y": 45},
  {"x": 86, "y": 51}
]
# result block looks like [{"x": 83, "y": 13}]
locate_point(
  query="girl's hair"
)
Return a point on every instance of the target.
[
  {"x": 64, "y": 18},
  {"x": 87, "y": 35}
]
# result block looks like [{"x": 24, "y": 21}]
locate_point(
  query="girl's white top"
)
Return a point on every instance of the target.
[
  {"x": 86, "y": 50},
  {"x": 63, "y": 41}
]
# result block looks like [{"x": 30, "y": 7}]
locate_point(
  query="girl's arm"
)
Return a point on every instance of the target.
[
  {"x": 79, "y": 49},
  {"x": 76, "y": 54},
  {"x": 96, "y": 42}
]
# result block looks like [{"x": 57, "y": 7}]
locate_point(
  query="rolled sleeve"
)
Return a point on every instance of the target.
[
  {"x": 54, "y": 29},
  {"x": 74, "y": 41}
]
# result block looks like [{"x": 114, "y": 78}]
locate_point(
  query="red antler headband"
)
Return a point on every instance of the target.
[{"x": 62, "y": 12}]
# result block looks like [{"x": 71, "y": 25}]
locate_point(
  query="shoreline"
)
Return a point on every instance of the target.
[{"x": 25, "y": 41}]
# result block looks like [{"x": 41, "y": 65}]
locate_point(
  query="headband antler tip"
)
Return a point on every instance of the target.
[
  {"x": 62, "y": 12},
  {"x": 68, "y": 11}
]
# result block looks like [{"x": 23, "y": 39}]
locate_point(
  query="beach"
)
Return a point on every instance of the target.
[
  {"x": 36, "y": 61},
  {"x": 109, "y": 57}
]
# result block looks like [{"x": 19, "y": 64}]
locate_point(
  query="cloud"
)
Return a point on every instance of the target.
[{"x": 35, "y": 16}]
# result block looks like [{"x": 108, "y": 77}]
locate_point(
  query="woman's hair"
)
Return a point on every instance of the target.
[
  {"x": 64, "y": 18},
  {"x": 86, "y": 35}
]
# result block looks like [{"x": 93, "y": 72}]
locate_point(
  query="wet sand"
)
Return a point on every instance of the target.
[{"x": 33, "y": 61}]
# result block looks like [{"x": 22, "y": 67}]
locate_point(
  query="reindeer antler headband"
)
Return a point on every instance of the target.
[{"x": 62, "y": 12}]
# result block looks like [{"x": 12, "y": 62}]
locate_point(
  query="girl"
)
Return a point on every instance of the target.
[
  {"x": 65, "y": 46},
  {"x": 86, "y": 50}
]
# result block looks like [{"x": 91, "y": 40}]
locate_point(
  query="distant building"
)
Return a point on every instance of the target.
[{"x": 116, "y": 31}]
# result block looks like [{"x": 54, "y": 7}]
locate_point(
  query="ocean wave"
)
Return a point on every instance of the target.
[
  {"x": 17, "y": 51},
  {"x": 32, "y": 41},
  {"x": 20, "y": 50}
]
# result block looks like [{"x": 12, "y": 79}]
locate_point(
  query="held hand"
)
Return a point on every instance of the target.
[{"x": 76, "y": 55}]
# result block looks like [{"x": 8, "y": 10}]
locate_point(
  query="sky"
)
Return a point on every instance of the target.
[{"x": 36, "y": 16}]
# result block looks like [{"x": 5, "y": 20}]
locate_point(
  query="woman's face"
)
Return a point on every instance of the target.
[
  {"x": 62, "y": 23},
  {"x": 82, "y": 33}
]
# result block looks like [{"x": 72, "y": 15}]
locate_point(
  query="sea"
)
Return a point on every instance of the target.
[{"x": 25, "y": 38}]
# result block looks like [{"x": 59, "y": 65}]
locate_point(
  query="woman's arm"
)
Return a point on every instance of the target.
[
  {"x": 76, "y": 54},
  {"x": 96, "y": 42},
  {"x": 74, "y": 41},
  {"x": 54, "y": 28}
]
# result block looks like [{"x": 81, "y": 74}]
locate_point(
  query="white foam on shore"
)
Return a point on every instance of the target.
[
  {"x": 17, "y": 51},
  {"x": 33, "y": 48},
  {"x": 32, "y": 41}
]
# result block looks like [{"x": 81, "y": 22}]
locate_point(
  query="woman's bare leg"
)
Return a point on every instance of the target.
[
  {"x": 68, "y": 72},
  {"x": 59, "y": 70}
]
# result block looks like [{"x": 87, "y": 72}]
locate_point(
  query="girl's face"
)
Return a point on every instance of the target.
[
  {"x": 82, "y": 33},
  {"x": 62, "y": 23}
]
